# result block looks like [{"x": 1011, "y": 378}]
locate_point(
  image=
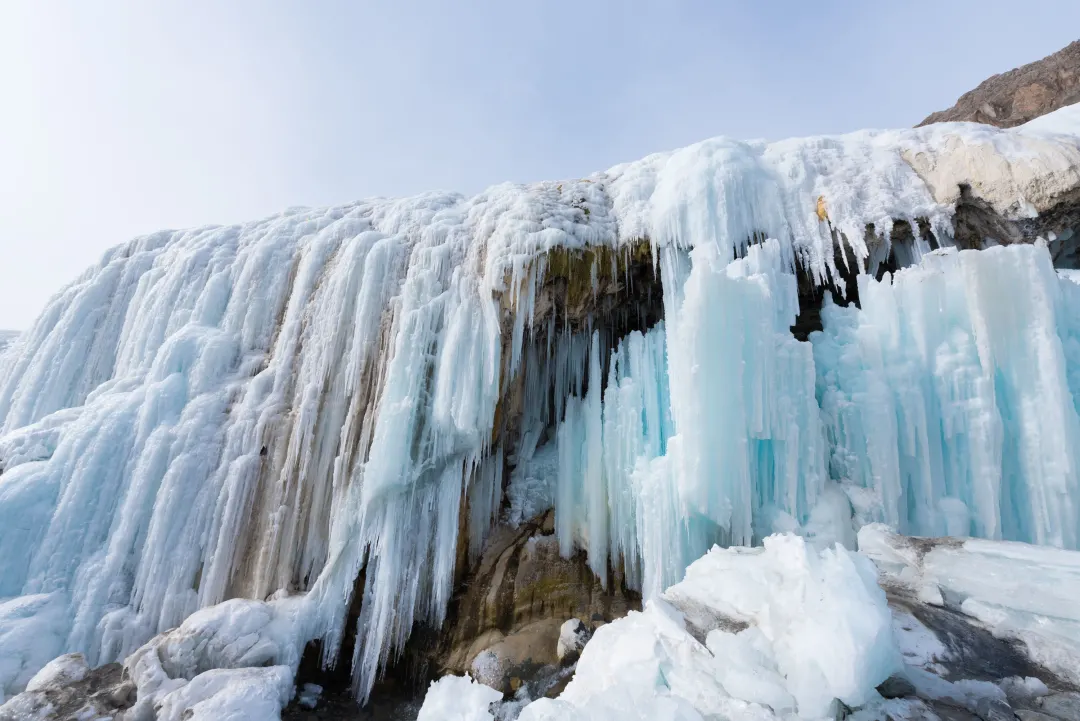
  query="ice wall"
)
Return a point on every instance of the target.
[
  {"x": 272, "y": 408},
  {"x": 704, "y": 431},
  {"x": 950, "y": 399}
]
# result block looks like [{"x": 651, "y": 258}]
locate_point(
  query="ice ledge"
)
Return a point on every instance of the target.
[{"x": 1019, "y": 592}]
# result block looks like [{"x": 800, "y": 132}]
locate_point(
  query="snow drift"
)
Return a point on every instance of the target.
[{"x": 274, "y": 410}]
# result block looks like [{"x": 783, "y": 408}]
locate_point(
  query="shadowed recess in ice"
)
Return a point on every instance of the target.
[{"x": 265, "y": 410}]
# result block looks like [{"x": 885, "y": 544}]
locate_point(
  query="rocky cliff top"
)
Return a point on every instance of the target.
[{"x": 1022, "y": 94}]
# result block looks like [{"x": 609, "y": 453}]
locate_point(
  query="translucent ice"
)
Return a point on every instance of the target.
[
  {"x": 269, "y": 409},
  {"x": 706, "y": 425},
  {"x": 952, "y": 397}
]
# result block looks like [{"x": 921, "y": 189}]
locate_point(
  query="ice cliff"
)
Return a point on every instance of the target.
[{"x": 342, "y": 402}]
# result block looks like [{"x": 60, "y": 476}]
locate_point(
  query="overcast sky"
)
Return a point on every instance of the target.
[{"x": 119, "y": 118}]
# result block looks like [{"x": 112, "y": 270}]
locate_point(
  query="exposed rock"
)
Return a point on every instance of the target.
[
  {"x": 506, "y": 622},
  {"x": 516, "y": 657},
  {"x": 1015, "y": 97},
  {"x": 1061, "y": 705},
  {"x": 896, "y": 686},
  {"x": 67, "y": 689},
  {"x": 341, "y": 706}
]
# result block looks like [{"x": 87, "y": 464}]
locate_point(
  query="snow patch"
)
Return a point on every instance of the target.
[{"x": 458, "y": 698}]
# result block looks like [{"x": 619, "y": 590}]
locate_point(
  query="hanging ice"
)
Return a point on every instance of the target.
[
  {"x": 266, "y": 409},
  {"x": 692, "y": 451},
  {"x": 951, "y": 397}
]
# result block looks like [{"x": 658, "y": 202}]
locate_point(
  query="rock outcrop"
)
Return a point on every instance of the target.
[
  {"x": 1024, "y": 93},
  {"x": 506, "y": 622},
  {"x": 67, "y": 688}
]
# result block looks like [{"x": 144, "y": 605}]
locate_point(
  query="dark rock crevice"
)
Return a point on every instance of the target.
[{"x": 976, "y": 226}]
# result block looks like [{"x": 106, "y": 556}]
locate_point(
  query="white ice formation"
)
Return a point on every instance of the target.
[
  {"x": 786, "y": 630},
  {"x": 270, "y": 409},
  {"x": 458, "y": 698},
  {"x": 815, "y": 628}
]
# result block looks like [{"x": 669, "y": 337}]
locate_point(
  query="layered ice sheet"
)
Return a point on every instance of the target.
[
  {"x": 1018, "y": 591},
  {"x": 266, "y": 409}
]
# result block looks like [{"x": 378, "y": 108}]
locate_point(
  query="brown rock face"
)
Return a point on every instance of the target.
[
  {"x": 510, "y": 608},
  {"x": 1022, "y": 94}
]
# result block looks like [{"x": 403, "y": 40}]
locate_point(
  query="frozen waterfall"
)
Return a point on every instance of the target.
[{"x": 275, "y": 410}]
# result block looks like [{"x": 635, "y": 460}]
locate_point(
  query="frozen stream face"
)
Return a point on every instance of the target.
[{"x": 275, "y": 410}]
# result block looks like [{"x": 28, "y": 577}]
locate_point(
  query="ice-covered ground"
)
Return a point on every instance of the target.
[
  {"x": 814, "y": 628},
  {"x": 790, "y": 630},
  {"x": 258, "y": 411},
  {"x": 1017, "y": 591}
]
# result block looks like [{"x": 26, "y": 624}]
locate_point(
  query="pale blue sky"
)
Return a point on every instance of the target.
[{"x": 119, "y": 118}]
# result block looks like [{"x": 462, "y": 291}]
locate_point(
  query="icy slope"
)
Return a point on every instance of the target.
[{"x": 268, "y": 408}]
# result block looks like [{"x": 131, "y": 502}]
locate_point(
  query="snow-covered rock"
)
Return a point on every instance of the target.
[
  {"x": 458, "y": 698},
  {"x": 232, "y": 661},
  {"x": 68, "y": 689},
  {"x": 61, "y": 671},
  {"x": 573, "y": 635}
]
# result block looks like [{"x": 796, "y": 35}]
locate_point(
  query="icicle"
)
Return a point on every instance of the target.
[
  {"x": 953, "y": 403},
  {"x": 274, "y": 408}
]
